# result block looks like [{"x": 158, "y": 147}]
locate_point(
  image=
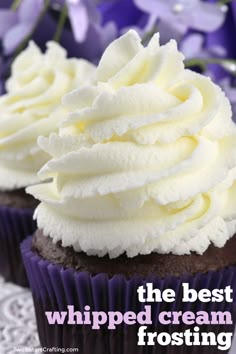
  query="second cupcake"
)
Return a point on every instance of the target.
[{"x": 31, "y": 107}]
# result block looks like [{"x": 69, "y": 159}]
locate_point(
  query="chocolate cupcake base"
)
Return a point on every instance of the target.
[
  {"x": 160, "y": 265},
  {"x": 16, "y": 223},
  {"x": 55, "y": 286}
]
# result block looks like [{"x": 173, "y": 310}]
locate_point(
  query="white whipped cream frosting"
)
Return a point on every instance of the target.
[
  {"x": 31, "y": 107},
  {"x": 145, "y": 161}
]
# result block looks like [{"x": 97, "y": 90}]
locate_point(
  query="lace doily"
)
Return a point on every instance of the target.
[{"x": 17, "y": 320}]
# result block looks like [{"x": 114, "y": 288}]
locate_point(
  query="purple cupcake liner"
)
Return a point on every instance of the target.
[
  {"x": 15, "y": 225},
  {"x": 54, "y": 288}
]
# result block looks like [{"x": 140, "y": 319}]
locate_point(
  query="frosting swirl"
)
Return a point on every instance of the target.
[
  {"x": 31, "y": 108},
  {"x": 145, "y": 161}
]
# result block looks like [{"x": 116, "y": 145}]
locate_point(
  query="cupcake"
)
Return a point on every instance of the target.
[
  {"x": 31, "y": 107},
  {"x": 142, "y": 190}
]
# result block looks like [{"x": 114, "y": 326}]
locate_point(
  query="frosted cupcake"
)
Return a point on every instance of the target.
[
  {"x": 31, "y": 107},
  {"x": 143, "y": 189}
]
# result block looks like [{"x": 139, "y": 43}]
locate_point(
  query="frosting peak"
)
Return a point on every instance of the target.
[
  {"x": 145, "y": 161},
  {"x": 32, "y": 107}
]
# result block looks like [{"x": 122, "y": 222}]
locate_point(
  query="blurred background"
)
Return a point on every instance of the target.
[{"x": 204, "y": 29}]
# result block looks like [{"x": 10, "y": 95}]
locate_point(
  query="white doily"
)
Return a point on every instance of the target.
[{"x": 17, "y": 320}]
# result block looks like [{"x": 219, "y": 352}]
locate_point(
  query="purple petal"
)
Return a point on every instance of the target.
[
  {"x": 192, "y": 45},
  {"x": 15, "y": 36},
  {"x": 155, "y": 7},
  {"x": 107, "y": 34},
  {"x": 8, "y": 18},
  {"x": 218, "y": 50},
  {"x": 79, "y": 20},
  {"x": 92, "y": 10},
  {"x": 171, "y": 30},
  {"x": 205, "y": 17},
  {"x": 30, "y": 10},
  {"x": 194, "y": 14}
]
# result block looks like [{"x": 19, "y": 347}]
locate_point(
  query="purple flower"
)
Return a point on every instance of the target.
[
  {"x": 83, "y": 35},
  {"x": 91, "y": 25},
  {"x": 99, "y": 24},
  {"x": 193, "y": 46},
  {"x": 16, "y": 25},
  {"x": 175, "y": 17},
  {"x": 225, "y": 37},
  {"x": 85, "y": 20},
  {"x": 83, "y": 14}
]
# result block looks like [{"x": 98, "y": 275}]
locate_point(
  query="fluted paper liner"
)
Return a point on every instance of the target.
[
  {"x": 15, "y": 225},
  {"x": 54, "y": 288}
]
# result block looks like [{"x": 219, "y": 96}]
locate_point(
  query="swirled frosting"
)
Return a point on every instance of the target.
[
  {"x": 145, "y": 161},
  {"x": 31, "y": 107}
]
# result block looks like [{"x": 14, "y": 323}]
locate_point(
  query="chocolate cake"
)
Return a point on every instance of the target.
[{"x": 143, "y": 265}]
